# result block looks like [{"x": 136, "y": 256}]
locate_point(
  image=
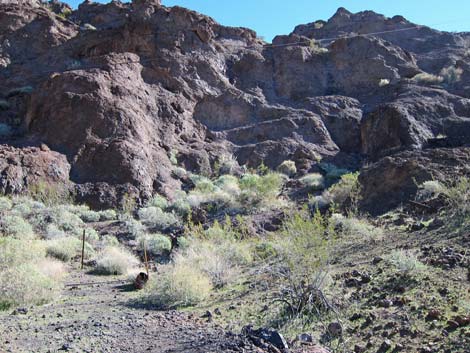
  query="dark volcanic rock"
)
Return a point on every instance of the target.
[{"x": 116, "y": 89}]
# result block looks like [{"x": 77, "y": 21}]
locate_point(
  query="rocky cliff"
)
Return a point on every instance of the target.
[{"x": 104, "y": 96}]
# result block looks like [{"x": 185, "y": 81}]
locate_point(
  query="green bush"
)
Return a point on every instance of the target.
[
  {"x": 5, "y": 204},
  {"x": 156, "y": 244},
  {"x": 178, "y": 285},
  {"x": 108, "y": 215},
  {"x": 16, "y": 227},
  {"x": 155, "y": 218},
  {"x": 260, "y": 191},
  {"x": 158, "y": 201},
  {"x": 346, "y": 191},
  {"x": 90, "y": 216}
]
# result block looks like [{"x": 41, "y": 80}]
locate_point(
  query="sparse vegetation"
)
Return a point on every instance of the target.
[
  {"x": 287, "y": 168},
  {"x": 156, "y": 244},
  {"x": 115, "y": 261},
  {"x": 179, "y": 285},
  {"x": 313, "y": 182},
  {"x": 427, "y": 78}
]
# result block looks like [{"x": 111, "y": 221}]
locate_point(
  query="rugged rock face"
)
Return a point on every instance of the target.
[{"x": 115, "y": 90}]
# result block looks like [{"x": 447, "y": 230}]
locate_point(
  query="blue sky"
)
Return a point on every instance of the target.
[{"x": 272, "y": 17}]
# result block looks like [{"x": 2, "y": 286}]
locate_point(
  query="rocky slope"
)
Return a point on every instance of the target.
[{"x": 111, "y": 92}]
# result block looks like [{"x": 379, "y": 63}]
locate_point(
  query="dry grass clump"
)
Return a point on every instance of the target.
[
  {"x": 115, "y": 261},
  {"x": 178, "y": 285}
]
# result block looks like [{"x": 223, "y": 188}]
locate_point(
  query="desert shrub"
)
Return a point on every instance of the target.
[
  {"x": 458, "y": 197},
  {"x": 287, "y": 168},
  {"x": 217, "y": 251},
  {"x": 202, "y": 184},
  {"x": 67, "y": 248},
  {"x": 427, "y": 78},
  {"x": 429, "y": 189},
  {"x": 156, "y": 244},
  {"x": 5, "y": 204},
  {"x": 301, "y": 269},
  {"x": 157, "y": 201},
  {"x": 384, "y": 82},
  {"x": 49, "y": 194},
  {"x": 316, "y": 47},
  {"x": 25, "y": 284},
  {"x": 26, "y": 276},
  {"x": 260, "y": 191},
  {"x": 178, "y": 285},
  {"x": 173, "y": 156},
  {"x": 265, "y": 250},
  {"x": 155, "y": 218},
  {"x": 16, "y": 226},
  {"x": 183, "y": 243},
  {"x": 115, "y": 261},
  {"x": 90, "y": 216},
  {"x": 5, "y": 130},
  {"x": 25, "y": 206},
  {"x": 53, "y": 232},
  {"x": 451, "y": 74},
  {"x": 109, "y": 240},
  {"x": 346, "y": 191},
  {"x": 179, "y": 172},
  {"x": 180, "y": 205},
  {"x": 108, "y": 215},
  {"x": 20, "y": 90},
  {"x": 313, "y": 182},
  {"x": 15, "y": 251},
  {"x": 332, "y": 172},
  {"x": 134, "y": 227},
  {"x": 226, "y": 164},
  {"x": 4, "y": 105},
  {"x": 406, "y": 263},
  {"x": 355, "y": 227}
]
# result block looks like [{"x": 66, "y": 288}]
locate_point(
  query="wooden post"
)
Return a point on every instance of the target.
[
  {"x": 145, "y": 258},
  {"x": 83, "y": 247}
]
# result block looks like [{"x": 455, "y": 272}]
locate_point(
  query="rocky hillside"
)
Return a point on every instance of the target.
[{"x": 101, "y": 99}]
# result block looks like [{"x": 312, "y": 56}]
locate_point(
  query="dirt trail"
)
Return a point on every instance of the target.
[{"x": 99, "y": 318}]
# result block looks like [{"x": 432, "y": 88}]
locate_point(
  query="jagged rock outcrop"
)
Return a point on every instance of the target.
[{"x": 116, "y": 89}]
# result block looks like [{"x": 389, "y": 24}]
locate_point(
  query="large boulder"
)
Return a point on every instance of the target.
[{"x": 394, "y": 180}]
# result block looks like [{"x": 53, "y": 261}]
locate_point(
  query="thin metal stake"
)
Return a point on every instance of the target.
[
  {"x": 83, "y": 247},
  {"x": 145, "y": 258}
]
